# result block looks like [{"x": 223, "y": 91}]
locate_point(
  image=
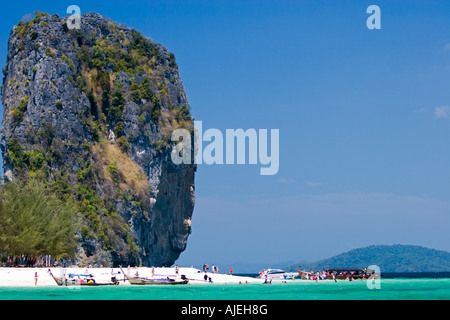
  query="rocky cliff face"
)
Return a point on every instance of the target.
[{"x": 90, "y": 111}]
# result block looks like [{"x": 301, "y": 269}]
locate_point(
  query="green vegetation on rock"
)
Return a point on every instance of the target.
[
  {"x": 65, "y": 92},
  {"x": 34, "y": 221}
]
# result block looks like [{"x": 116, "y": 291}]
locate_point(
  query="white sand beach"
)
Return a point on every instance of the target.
[{"x": 17, "y": 277}]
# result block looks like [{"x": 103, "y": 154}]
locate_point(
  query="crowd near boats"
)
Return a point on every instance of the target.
[{"x": 335, "y": 274}]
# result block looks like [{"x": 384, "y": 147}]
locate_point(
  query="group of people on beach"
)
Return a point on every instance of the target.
[
  {"x": 215, "y": 269},
  {"x": 319, "y": 276},
  {"x": 27, "y": 261}
]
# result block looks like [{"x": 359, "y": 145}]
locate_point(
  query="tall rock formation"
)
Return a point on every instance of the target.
[{"x": 90, "y": 111}]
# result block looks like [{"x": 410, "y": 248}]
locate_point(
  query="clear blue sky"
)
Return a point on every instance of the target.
[{"x": 364, "y": 119}]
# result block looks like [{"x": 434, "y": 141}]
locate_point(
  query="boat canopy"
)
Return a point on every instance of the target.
[
  {"x": 346, "y": 270},
  {"x": 274, "y": 271}
]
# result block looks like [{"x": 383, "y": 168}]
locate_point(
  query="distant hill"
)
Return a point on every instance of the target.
[{"x": 390, "y": 258}]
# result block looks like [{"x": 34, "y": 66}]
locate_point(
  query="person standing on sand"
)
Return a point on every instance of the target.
[
  {"x": 231, "y": 271},
  {"x": 36, "y": 278}
]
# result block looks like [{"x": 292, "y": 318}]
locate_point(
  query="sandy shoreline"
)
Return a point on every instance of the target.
[{"x": 25, "y": 277}]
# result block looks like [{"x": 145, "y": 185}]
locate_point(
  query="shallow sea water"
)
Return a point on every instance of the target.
[{"x": 391, "y": 289}]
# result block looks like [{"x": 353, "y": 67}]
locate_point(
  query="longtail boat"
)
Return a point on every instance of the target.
[
  {"x": 337, "y": 274},
  {"x": 79, "y": 279},
  {"x": 136, "y": 280}
]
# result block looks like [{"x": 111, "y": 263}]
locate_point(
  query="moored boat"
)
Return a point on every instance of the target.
[
  {"x": 80, "y": 279},
  {"x": 346, "y": 273},
  {"x": 336, "y": 274},
  {"x": 305, "y": 275},
  {"x": 276, "y": 274},
  {"x": 137, "y": 280}
]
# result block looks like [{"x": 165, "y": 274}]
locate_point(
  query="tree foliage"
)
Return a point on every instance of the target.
[{"x": 34, "y": 222}]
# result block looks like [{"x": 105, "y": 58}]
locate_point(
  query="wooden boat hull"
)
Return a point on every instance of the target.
[
  {"x": 146, "y": 281},
  {"x": 305, "y": 275},
  {"x": 90, "y": 282}
]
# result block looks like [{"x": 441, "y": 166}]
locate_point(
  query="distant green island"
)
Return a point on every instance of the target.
[{"x": 390, "y": 258}]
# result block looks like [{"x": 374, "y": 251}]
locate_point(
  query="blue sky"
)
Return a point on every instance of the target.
[{"x": 364, "y": 119}]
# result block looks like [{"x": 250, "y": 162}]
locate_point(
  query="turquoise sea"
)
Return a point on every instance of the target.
[{"x": 391, "y": 289}]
